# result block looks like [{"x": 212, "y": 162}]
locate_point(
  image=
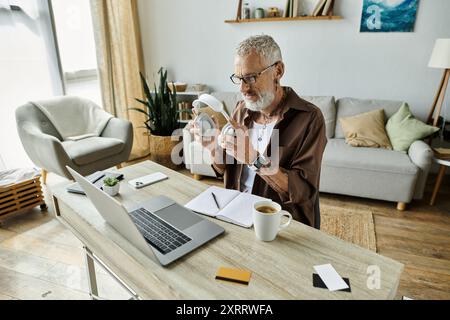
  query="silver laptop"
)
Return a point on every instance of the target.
[{"x": 160, "y": 228}]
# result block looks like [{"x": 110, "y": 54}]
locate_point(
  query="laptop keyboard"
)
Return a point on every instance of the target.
[{"x": 157, "y": 232}]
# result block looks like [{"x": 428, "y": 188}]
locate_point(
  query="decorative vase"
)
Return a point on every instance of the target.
[
  {"x": 259, "y": 13},
  {"x": 112, "y": 191},
  {"x": 161, "y": 150}
]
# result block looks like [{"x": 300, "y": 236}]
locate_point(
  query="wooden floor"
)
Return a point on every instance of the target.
[
  {"x": 40, "y": 259},
  {"x": 418, "y": 237}
]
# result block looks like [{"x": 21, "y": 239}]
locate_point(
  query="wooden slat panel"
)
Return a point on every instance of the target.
[
  {"x": 20, "y": 211},
  {"x": 35, "y": 202},
  {"x": 21, "y": 200},
  {"x": 22, "y": 194},
  {"x": 20, "y": 197},
  {"x": 32, "y": 201},
  {"x": 20, "y": 189},
  {"x": 17, "y": 185}
]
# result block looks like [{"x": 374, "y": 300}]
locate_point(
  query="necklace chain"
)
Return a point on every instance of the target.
[{"x": 267, "y": 118}]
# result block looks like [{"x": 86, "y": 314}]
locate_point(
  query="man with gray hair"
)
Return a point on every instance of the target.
[{"x": 268, "y": 108}]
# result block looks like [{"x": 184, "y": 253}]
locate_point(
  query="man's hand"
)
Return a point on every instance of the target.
[
  {"x": 209, "y": 142},
  {"x": 239, "y": 146}
]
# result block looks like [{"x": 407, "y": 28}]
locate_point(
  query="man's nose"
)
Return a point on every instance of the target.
[{"x": 244, "y": 86}]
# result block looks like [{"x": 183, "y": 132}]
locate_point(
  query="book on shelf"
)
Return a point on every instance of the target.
[
  {"x": 328, "y": 7},
  {"x": 295, "y": 8},
  {"x": 184, "y": 108},
  {"x": 318, "y": 9},
  {"x": 306, "y": 7},
  {"x": 288, "y": 9}
]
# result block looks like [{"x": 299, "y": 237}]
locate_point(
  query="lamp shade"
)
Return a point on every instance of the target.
[{"x": 440, "y": 58}]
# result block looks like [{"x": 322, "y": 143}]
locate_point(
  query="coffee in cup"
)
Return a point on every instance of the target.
[
  {"x": 267, "y": 220},
  {"x": 267, "y": 209}
]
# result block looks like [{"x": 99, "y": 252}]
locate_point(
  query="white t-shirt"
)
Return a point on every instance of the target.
[{"x": 260, "y": 135}]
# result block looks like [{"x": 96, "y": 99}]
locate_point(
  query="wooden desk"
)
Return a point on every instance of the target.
[{"x": 281, "y": 269}]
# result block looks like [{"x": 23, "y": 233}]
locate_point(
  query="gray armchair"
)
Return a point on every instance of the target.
[{"x": 46, "y": 148}]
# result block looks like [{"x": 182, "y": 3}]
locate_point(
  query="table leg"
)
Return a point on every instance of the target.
[
  {"x": 438, "y": 184},
  {"x": 92, "y": 279}
]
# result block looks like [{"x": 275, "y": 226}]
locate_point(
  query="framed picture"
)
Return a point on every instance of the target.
[{"x": 389, "y": 15}]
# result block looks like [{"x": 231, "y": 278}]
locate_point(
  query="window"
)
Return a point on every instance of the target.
[
  {"x": 28, "y": 70},
  {"x": 75, "y": 37},
  {"x": 47, "y": 49}
]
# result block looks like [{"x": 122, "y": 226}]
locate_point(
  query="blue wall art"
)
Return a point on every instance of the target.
[{"x": 389, "y": 15}]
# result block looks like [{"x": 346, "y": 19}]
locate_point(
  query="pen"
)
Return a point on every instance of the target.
[{"x": 215, "y": 200}]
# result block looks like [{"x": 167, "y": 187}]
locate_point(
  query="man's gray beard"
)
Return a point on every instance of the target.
[{"x": 265, "y": 99}]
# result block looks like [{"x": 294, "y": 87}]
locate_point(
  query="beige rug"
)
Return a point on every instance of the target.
[{"x": 352, "y": 225}]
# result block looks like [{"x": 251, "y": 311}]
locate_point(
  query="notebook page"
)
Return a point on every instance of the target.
[
  {"x": 240, "y": 210},
  {"x": 205, "y": 203}
]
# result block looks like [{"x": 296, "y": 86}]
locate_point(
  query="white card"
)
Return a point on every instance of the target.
[{"x": 330, "y": 277}]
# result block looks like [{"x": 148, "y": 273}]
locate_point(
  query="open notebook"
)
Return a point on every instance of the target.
[{"x": 235, "y": 207}]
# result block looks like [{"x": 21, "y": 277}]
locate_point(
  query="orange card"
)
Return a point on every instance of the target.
[{"x": 234, "y": 275}]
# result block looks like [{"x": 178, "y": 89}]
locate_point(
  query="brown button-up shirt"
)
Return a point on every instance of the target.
[{"x": 302, "y": 141}]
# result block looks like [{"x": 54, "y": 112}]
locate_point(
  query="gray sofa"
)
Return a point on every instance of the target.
[{"x": 362, "y": 172}]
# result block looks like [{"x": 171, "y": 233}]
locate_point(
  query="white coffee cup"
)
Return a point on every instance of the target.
[{"x": 268, "y": 225}]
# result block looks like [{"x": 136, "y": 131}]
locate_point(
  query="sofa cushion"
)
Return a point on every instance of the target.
[
  {"x": 328, "y": 107},
  {"x": 366, "y": 130},
  {"x": 339, "y": 154},
  {"x": 347, "y": 107},
  {"x": 89, "y": 150},
  {"x": 387, "y": 186},
  {"x": 403, "y": 129}
]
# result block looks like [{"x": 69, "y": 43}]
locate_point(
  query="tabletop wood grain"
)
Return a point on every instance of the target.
[{"x": 281, "y": 269}]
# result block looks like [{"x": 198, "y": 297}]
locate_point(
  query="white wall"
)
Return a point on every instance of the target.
[{"x": 192, "y": 41}]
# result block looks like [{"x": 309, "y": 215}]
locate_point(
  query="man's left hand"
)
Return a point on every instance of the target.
[{"x": 239, "y": 146}]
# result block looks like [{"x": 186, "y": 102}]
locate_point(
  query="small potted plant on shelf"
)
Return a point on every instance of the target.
[{"x": 111, "y": 186}]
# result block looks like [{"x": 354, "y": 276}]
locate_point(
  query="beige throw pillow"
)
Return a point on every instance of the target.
[{"x": 366, "y": 130}]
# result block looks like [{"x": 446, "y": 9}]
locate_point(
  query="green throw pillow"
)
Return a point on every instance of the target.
[{"x": 403, "y": 129}]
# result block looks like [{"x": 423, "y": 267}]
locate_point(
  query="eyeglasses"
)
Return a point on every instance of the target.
[{"x": 249, "y": 79}]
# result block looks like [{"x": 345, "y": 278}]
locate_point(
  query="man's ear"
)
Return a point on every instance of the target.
[{"x": 279, "y": 71}]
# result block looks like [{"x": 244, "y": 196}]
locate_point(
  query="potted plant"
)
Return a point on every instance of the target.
[
  {"x": 111, "y": 186},
  {"x": 162, "y": 119}
]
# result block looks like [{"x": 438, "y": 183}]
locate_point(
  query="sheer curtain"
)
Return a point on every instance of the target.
[
  {"x": 28, "y": 69},
  {"x": 120, "y": 59}
]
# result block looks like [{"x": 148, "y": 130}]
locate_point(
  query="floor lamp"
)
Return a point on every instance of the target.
[{"x": 440, "y": 59}]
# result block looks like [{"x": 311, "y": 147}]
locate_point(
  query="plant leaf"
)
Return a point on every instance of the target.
[
  {"x": 142, "y": 101},
  {"x": 139, "y": 110}
]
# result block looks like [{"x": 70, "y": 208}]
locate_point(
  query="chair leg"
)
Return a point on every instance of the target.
[
  {"x": 401, "y": 206},
  {"x": 197, "y": 177},
  {"x": 119, "y": 166},
  {"x": 438, "y": 184},
  {"x": 44, "y": 176}
]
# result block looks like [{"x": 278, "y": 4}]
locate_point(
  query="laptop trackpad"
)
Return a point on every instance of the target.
[{"x": 178, "y": 216}]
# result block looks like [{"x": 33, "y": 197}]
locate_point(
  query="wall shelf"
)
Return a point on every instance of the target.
[{"x": 285, "y": 19}]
